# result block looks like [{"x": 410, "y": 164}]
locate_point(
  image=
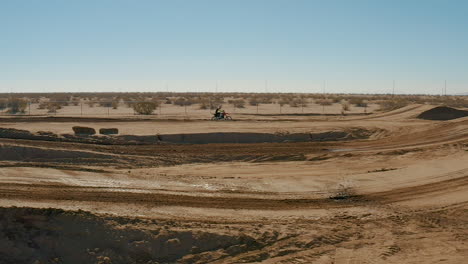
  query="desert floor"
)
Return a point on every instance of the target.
[{"x": 376, "y": 188}]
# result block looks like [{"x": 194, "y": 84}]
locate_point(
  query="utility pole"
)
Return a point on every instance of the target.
[
  {"x": 323, "y": 103},
  {"x": 266, "y": 86},
  {"x": 393, "y": 89},
  {"x": 445, "y": 88}
]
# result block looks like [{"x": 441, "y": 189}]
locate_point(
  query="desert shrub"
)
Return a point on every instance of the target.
[
  {"x": 3, "y": 104},
  {"x": 324, "y": 102},
  {"x": 115, "y": 104},
  {"x": 130, "y": 104},
  {"x": 453, "y": 102},
  {"x": 34, "y": 100},
  {"x": 266, "y": 100},
  {"x": 215, "y": 102},
  {"x": 90, "y": 103},
  {"x": 52, "y": 107},
  {"x": 345, "y": 106},
  {"x": 253, "y": 101},
  {"x": 388, "y": 105},
  {"x": 337, "y": 99},
  {"x": 168, "y": 101},
  {"x": 145, "y": 108},
  {"x": 296, "y": 102},
  {"x": 105, "y": 103},
  {"x": 282, "y": 102},
  {"x": 238, "y": 103},
  {"x": 16, "y": 105},
  {"x": 75, "y": 101},
  {"x": 42, "y": 105},
  {"x": 359, "y": 102},
  {"x": 182, "y": 101},
  {"x": 204, "y": 105}
]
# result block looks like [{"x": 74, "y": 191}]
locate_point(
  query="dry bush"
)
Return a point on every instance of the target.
[
  {"x": 237, "y": 103},
  {"x": 345, "y": 106},
  {"x": 52, "y": 107},
  {"x": 182, "y": 101},
  {"x": 16, "y": 105},
  {"x": 115, "y": 104},
  {"x": 34, "y": 100},
  {"x": 43, "y": 105},
  {"x": 337, "y": 99},
  {"x": 324, "y": 101},
  {"x": 145, "y": 108},
  {"x": 215, "y": 102},
  {"x": 282, "y": 102},
  {"x": 359, "y": 102},
  {"x": 256, "y": 100},
  {"x": 454, "y": 102},
  {"x": 253, "y": 101},
  {"x": 266, "y": 100},
  {"x": 130, "y": 103},
  {"x": 75, "y": 102},
  {"x": 389, "y": 105},
  {"x": 3, "y": 104},
  {"x": 105, "y": 103},
  {"x": 297, "y": 103},
  {"x": 204, "y": 105}
]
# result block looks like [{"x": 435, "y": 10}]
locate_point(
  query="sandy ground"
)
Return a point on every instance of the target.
[{"x": 399, "y": 195}]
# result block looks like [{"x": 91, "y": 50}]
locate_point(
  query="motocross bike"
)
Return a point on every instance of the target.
[{"x": 224, "y": 116}]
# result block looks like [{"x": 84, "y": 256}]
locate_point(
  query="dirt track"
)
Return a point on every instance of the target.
[{"x": 398, "y": 195}]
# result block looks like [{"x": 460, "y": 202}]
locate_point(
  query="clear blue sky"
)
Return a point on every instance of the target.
[{"x": 355, "y": 45}]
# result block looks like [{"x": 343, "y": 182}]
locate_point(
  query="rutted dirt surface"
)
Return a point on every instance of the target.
[{"x": 380, "y": 192}]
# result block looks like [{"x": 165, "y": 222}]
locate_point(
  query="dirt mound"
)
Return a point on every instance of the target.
[
  {"x": 442, "y": 113},
  {"x": 83, "y": 130},
  {"x": 56, "y": 236}
]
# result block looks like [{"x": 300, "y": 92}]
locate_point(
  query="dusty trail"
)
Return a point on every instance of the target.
[{"x": 227, "y": 201}]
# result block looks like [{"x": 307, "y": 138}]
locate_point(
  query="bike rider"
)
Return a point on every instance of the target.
[{"x": 219, "y": 113}]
